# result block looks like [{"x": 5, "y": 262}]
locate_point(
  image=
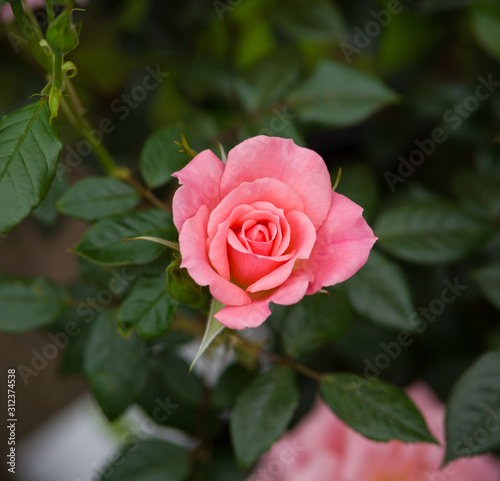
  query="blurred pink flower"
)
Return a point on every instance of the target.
[
  {"x": 7, "y": 16},
  {"x": 322, "y": 448}
]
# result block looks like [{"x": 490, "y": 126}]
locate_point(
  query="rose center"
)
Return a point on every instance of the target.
[
  {"x": 258, "y": 233},
  {"x": 258, "y": 237}
]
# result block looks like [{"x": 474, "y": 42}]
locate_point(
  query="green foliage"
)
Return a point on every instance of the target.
[
  {"x": 478, "y": 192},
  {"x": 380, "y": 292},
  {"x": 29, "y": 304},
  {"x": 338, "y": 96},
  {"x": 47, "y": 212},
  {"x": 230, "y": 384},
  {"x": 318, "y": 21},
  {"x": 172, "y": 395},
  {"x": 376, "y": 409},
  {"x": 359, "y": 184},
  {"x": 104, "y": 242},
  {"x": 486, "y": 27},
  {"x": 29, "y": 151},
  {"x": 225, "y": 71},
  {"x": 317, "y": 320},
  {"x": 114, "y": 365},
  {"x": 94, "y": 198},
  {"x": 160, "y": 156},
  {"x": 488, "y": 279},
  {"x": 262, "y": 413},
  {"x": 431, "y": 232},
  {"x": 148, "y": 307},
  {"x": 472, "y": 411},
  {"x": 62, "y": 35},
  {"x": 150, "y": 460}
]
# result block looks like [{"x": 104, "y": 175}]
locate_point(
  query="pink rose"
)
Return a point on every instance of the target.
[
  {"x": 265, "y": 227},
  {"x": 323, "y": 448}
]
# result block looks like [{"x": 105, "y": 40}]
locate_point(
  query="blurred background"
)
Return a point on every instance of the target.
[{"x": 225, "y": 70}]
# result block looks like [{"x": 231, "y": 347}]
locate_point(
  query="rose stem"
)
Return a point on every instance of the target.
[{"x": 82, "y": 125}]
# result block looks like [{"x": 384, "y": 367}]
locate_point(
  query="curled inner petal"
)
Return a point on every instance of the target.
[
  {"x": 247, "y": 267},
  {"x": 258, "y": 231}
]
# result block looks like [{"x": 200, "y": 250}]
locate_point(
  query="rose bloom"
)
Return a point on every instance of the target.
[
  {"x": 323, "y": 448},
  {"x": 265, "y": 227}
]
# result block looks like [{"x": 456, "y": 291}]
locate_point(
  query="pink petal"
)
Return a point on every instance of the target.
[
  {"x": 271, "y": 191},
  {"x": 217, "y": 250},
  {"x": 300, "y": 168},
  {"x": 343, "y": 245},
  {"x": 302, "y": 242},
  {"x": 254, "y": 314},
  {"x": 200, "y": 181},
  {"x": 195, "y": 260},
  {"x": 246, "y": 267}
]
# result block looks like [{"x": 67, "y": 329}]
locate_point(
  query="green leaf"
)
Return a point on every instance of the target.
[
  {"x": 174, "y": 376},
  {"x": 486, "y": 27},
  {"x": 314, "y": 321},
  {"x": 376, "y": 409},
  {"x": 262, "y": 413},
  {"x": 47, "y": 212},
  {"x": 488, "y": 280},
  {"x": 160, "y": 156},
  {"x": 231, "y": 382},
  {"x": 104, "y": 242},
  {"x": 478, "y": 192},
  {"x": 269, "y": 81},
  {"x": 172, "y": 395},
  {"x": 222, "y": 467},
  {"x": 473, "y": 414},
  {"x": 339, "y": 96},
  {"x": 148, "y": 307},
  {"x": 77, "y": 329},
  {"x": 29, "y": 304},
  {"x": 318, "y": 21},
  {"x": 432, "y": 232},
  {"x": 380, "y": 292},
  {"x": 94, "y": 198},
  {"x": 115, "y": 366},
  {"x": 150, "y": 460},
  {"x": 29, "y": 151},
  {"x": 213, "y": 329},
  {"x": 54, "y": 100}
]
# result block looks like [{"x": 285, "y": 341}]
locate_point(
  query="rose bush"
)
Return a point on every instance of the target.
[
  {"x": 323, "y": 448},
  {"x": 265, "y": 227}
]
